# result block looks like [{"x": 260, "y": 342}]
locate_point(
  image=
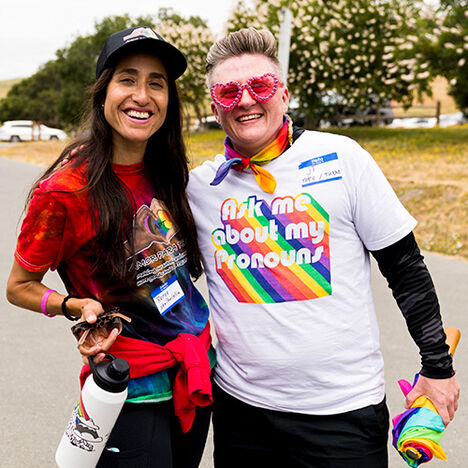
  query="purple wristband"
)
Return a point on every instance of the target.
[{"x": 44, "y": 302}]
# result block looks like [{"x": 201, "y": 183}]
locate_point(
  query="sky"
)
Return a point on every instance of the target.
[{"x": 32, "y": 30}]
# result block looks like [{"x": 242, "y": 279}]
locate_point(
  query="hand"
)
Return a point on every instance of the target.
[
  {"x": 89, "y": 308},
  {"x": 74, "y": 152},
  {"x": 98, "y": 341},
  {"x": 443, "y": 393},
  {"x": 97, "y": 344},
  {"x": 69, "y": 157}
]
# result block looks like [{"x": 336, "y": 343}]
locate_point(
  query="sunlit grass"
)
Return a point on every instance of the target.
[
  {"x": 418, "y": 143},
  {"x": 41, "y": 153},
  {"x": 428, "y": 169},
  {"x": 202, "y": 146}
]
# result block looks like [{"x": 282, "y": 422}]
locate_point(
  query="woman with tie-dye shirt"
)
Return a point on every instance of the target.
[{"x": 112, "y": 217}]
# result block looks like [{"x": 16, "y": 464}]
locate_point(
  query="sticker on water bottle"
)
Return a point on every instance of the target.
[
  {"x": 167, "y": 295},
  {"x": 82, "y": 430}
]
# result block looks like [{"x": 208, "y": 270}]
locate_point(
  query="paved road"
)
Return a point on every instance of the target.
[{"x": 39, "y": 384}]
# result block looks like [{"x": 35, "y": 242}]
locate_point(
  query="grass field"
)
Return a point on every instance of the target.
[{"x": 428, "y": 169}]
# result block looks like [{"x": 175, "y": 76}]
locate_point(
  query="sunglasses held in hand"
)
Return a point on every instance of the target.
[
  {"x": 261, "y": 88},
  {"x": 90, "y": 334}
]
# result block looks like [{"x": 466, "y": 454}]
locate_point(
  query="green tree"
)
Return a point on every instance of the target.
[
  {"x": 35, "y": 98},
  {"x": 57, "y": 93},
  {"x": 193, "y": 37},
  {"x": 448, "y": 48},
  {"x": 347, "y": 53}
]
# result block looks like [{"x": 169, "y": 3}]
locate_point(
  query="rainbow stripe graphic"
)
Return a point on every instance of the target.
[
  {"x": 274, "y": 253},
  {"x": 80, "y": 409}
]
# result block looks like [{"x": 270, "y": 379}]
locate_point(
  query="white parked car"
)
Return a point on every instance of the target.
[
  {"x": 23, "y": 130},
  {"x": 446, "y": 120},
  {"x": 414, "y": 122},
  {"x": 210, "y": 122}
]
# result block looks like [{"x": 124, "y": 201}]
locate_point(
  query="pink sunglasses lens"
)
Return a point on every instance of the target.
[
  {"x": 264, "y": 86},
  {"x": 226, "y": 94}
]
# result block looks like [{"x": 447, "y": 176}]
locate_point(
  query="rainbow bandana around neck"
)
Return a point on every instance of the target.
[{"x": 238, "y": 162}]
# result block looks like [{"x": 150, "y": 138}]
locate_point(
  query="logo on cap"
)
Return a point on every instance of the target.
[{"x": 139, "y": 32}]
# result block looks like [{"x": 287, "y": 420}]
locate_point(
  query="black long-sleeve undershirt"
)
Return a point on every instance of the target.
[{"x": 410, "y": 281}]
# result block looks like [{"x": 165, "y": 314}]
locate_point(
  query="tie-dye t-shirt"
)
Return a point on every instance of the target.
[
  {"x": 289, "y": 275},
  {"x": 161, "y": 300}
]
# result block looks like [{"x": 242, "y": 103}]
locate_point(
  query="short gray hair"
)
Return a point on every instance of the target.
[{"x": 244, "y": 41}]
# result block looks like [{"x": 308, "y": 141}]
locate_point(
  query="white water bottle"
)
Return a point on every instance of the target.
[{"x": 94, "y": 416}]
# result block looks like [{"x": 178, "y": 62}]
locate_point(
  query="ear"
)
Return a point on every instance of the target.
[
  {"x": 285, "y": 98},
  {"x": 214, "y": 109}
]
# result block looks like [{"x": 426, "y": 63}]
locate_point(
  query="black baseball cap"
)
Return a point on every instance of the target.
[{"x": 141, "y": 39}]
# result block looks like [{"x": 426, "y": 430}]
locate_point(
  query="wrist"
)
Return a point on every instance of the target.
[
  {"x": 70, "y": 312},
  {"x": 437, "y": 373}
]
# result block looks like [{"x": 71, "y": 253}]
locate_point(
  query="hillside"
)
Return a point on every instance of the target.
[
  {"x": 5, "y": 85},
  {"x": 439, "y": 93}
]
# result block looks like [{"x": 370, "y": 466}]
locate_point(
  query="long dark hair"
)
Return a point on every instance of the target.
[{"x": 110, "y": 201}]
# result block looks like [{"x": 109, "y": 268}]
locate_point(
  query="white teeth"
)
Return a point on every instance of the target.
[
  {"x": 138, "y": 115},
  {"x": 249, "y": 117}
]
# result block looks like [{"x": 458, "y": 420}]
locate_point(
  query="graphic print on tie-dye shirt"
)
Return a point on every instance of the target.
[
  {"x": 278, "y": 252},
  {"x": 155, "y": 243},
  {"x": 168, "y": 303}
]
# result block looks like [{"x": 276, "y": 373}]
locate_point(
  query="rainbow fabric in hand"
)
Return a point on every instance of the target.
[{"x": 417, "y": 431}]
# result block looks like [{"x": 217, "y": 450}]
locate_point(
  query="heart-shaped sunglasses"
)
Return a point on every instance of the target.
[{"x": 261, "y": 88}]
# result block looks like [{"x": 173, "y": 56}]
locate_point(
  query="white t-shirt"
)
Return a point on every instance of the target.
[{"x": 289, "y": 275}]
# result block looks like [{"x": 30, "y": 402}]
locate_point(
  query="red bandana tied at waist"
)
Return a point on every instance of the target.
[
  {"x": 192, "y": 384},
  {"x": 238, "y": 162}
]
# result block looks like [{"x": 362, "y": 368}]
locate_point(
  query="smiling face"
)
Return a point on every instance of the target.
[
  {"x": 136, "y": 104},
  {"x": 251, "y": 125}
]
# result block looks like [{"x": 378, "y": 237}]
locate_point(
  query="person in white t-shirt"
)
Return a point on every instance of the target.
[{"x": 286, "y": 219}]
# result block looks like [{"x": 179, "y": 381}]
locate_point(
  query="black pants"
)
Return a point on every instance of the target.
[
  {"x": 250, "y": 437},
  {"x": 149, "y": 435}
]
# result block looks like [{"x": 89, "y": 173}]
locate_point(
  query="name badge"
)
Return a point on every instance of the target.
[
  {"x": 167, "y": 295},
  {"x": 321, "y": 169}
]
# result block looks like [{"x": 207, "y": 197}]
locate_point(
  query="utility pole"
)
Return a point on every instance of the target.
[{"x": 285, "y": 41}]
